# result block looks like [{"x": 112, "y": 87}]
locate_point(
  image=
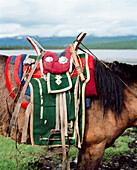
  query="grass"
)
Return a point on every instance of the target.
[{"x": 30, "y": 154}]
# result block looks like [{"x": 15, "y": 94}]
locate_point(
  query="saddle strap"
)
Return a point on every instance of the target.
[
  {"x": 62, "y": 133},
  {"x": 77, "y": 103},
  {"x": 17, "y": 108},
  {"x": 25, "y": 124},
  {"x": 57, "y": 128},
  {"x": 61, "y": 118},
  {"x": 61, "y": 108}
]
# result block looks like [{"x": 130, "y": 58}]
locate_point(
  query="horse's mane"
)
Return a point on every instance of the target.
[{"x": 109, "y": 87}]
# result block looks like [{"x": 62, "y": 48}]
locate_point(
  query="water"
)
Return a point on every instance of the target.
[{"x": 129, "y": 56}]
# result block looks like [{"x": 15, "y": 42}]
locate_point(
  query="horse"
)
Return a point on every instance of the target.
[{"x": 110, "y": 113}]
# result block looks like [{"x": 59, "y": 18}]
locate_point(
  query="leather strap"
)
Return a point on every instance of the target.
[
  {"x": 17, "y": 108},
  {"x": 25, "y": 124}
]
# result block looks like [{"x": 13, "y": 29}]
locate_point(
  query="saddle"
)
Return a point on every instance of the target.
[{"x": 57, "y": 94}]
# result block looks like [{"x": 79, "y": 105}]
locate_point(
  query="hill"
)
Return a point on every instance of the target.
[
  {"x": 114, "y": 45},
  {"x": 60, "y": 42}
]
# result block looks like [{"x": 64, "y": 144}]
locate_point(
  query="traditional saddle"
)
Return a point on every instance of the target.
[
  {"x": 15, "y": 69},
  {"x": 57, "y": 95}
]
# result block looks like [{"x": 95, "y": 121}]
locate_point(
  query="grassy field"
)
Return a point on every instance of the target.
[
  {"x": 29, "y": 155},
  {"x": 26, "y": 154}
]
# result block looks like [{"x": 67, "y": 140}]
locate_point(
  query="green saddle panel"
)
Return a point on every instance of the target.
[{"x": 58, "y": 82}]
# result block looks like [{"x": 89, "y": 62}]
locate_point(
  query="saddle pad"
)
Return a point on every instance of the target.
[
  {"x": 91, "y": 85},
  {"x": 10, "y": 79},
  {"x": 56, "y": 63},
  {"x": 43, "y": 115},
  {"x": 13, "y": 74}
]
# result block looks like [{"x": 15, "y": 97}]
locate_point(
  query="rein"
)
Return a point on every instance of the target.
[{"x": 132, "y": 91}]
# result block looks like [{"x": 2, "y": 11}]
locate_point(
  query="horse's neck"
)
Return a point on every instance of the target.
[{"x": 130, "y": 103}]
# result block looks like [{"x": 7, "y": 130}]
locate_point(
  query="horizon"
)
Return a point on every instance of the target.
[{"x": 23, "y": 36}]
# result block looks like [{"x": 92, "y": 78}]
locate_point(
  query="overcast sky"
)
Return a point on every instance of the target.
[{"x": 68, "y": 17}]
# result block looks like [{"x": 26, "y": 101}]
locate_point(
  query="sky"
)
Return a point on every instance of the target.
[{"x": 68, "y": 17}]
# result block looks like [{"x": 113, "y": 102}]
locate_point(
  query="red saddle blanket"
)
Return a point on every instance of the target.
[{"x": 14, "y": 72}]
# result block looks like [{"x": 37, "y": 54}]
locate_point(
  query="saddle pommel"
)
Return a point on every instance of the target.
[{"x": 78, "y": 40}]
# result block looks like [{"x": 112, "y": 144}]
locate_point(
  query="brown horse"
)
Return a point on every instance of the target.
[{"x": 111, "y": 112}]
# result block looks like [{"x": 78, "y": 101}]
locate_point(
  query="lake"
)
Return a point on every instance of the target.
[{"x": 129, "y": 56}]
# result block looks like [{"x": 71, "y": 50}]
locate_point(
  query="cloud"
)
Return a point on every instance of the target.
[{"x": 68, "y": 17}]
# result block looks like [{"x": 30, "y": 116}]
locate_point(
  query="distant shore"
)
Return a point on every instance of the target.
[{"x": 111, "y": 45}]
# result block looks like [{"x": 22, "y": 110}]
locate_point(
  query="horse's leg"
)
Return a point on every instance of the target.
[{"x": 90, "y": 156}]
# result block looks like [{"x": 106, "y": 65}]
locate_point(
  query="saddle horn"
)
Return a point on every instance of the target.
[
  {"x": 38, "y": 48},
  {"x": 78, "y": 40}
]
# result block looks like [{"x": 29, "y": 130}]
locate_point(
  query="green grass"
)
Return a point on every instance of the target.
[{"x": 30, "y": 154}]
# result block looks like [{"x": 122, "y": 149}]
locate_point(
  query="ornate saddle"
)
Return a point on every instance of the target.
[
  {"x": 51, "y": 70},
  {"x": 45, "y": 74}
]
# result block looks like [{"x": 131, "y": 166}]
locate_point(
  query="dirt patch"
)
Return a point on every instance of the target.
[{"x": 128, "y": 161}]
